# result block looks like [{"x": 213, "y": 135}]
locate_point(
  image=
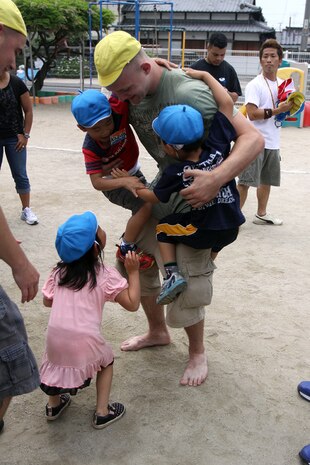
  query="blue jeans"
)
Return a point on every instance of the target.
[{"x": 17, "y": 162}]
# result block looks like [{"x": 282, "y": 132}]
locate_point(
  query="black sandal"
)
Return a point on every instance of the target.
[
  {"x": 116, "y": 411},
  {"x": 52, "y": 413}
]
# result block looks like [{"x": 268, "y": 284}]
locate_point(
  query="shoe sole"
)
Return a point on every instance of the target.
[
  {"x": 59, "y": 413},
  {"x": 261, "y": 222},
  {"x": 30, "y": 223},
  {"x": 173, "y": 292},
  {"x": 104, "y": 425},
  {"x": 304, "y": 396}
]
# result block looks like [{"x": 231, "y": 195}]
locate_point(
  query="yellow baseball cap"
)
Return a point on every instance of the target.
[
  {"x": 11, "y": 17},
  {"x": 112, "y": 54}
]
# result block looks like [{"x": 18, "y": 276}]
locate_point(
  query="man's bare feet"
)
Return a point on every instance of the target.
[
  {"x": 146, "y": 340},
  {"x": 196, "y": 371}
]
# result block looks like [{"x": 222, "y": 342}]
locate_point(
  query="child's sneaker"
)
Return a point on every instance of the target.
[
  {"x": 116, "y": 411},
  {"x": 52, "y": 413},
  {"x": 146, "y": 260},
  {"x": 28, "y": 216},
  {"x": 171, "y": 288}
]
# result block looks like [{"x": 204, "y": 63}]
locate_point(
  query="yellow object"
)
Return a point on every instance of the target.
[
  {"x": 11, "y": 17},
  {"x": 112, "y": 54},
  {"x": 298, "y": 99},
  {"x": 242, "y": 110},
  {"x": 286, "y": 73}
]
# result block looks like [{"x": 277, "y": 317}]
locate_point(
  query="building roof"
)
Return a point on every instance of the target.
[{"x": 194, "y": 6}]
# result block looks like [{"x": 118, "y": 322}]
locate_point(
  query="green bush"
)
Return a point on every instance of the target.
[{"x": 68, "y": 67}]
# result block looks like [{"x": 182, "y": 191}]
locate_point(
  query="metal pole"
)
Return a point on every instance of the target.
[
  {"x": 32, "y": 72},
  {"x": 137, "y": 19},
  {"x": 305, "y": 29}
]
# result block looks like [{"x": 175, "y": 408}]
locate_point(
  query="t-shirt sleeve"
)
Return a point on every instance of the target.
[
  {"x": 113, "y": 284},
  {"x": 252, "y": 94},
  {"x": 235, "y": 84},
  {"x": 169, "y": 182},
  {"x": 48, "y": 289}
]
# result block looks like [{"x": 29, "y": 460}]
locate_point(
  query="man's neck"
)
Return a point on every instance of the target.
[{"x": 270, "y": 76}]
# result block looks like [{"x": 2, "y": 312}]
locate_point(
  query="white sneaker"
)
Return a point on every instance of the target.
[
  {"x": 28, "y": 216},
  {"x": 267, "y": 219}
]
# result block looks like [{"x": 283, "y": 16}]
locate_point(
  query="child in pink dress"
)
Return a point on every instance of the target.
[{"x": 77, "y": 290}]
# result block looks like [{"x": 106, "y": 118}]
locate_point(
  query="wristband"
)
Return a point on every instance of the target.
[
  {"x": 267, "y": 113},
  {"x": 27, "y": 135}
]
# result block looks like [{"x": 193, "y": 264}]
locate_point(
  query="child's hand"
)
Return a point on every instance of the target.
[
  {"x": 195, "y": 73},
  {"x": 119, "y": 173},
  {"x": 165, "y": 63},
  {"x": 131, "y": 262}
]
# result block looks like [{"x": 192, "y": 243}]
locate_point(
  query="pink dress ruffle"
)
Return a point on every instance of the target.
[{"x": 75, "y": 347}]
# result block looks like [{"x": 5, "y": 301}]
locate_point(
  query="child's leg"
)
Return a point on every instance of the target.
[
  {"x": 106, "y": 413},
  {"x": 133, "y": 228},
  {"x": 136, "y": 223},
  {"x": 53, "y": 401},
  {"x": 103, "y": 385}
]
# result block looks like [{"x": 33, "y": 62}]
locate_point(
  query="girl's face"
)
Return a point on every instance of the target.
[{"x": 101, "y": 237}]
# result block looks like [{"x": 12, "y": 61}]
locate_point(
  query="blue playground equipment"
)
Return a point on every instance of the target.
[{"x": 136, "y": 3}]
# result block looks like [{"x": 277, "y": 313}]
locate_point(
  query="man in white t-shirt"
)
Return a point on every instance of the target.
[{"x": 261, "y": 95}]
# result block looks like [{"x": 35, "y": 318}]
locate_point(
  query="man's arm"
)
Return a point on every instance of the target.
[
  {"x": 24, "y": 273},
  {"x": 249, "y": 143},
  {"x": 128, "y": 182},
  {"x": 255, "y": 113}
]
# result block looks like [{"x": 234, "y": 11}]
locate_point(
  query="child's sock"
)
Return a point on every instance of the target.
[
  {"x": 126, "y": 246},
  {"x": 170, "y": 268}
]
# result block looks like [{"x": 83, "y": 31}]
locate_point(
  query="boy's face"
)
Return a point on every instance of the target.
[{"x": 101, "y": 131}]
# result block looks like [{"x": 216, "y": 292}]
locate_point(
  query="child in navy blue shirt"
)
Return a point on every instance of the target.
[{"x": 216, "y": 223}]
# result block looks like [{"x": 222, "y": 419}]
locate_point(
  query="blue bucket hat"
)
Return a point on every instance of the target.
[
  {"x": 179, "y": 125},
  {"x": 76, "y": 236},
  {"x": 90, "y": 107}
]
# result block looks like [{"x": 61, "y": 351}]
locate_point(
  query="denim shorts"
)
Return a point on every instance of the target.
[
  {"x": 18, "y": 368},
  {"x": 17, "y": 162}
]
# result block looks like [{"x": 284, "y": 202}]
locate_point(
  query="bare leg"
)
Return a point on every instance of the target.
[
  {"x": 136, "y": 223},
  {"x": 263, "y": 192},
  {"x": 196, "y": 370},
  {"x": 157, "y": 334},
  {"x": 243, "y": 193},
  {"x": 25, "y": 199},
  {"x": 103, "y": 385},
  {"x": 167, "y": 252},
  {"x": 4, "y": 406},
  {"x": 54, "y": 401}
]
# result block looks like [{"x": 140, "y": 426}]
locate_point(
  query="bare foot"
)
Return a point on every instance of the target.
[
  {"x": 196, "y": 371},
  {"x": 146, "y": 340}
]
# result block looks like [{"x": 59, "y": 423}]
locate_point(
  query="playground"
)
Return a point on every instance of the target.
[{"x": 257, "y": 329}]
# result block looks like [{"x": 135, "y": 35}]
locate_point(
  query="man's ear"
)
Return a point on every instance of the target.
[
  {"x": 82, "y": 128},
  {"x": 146, "y": 68}
]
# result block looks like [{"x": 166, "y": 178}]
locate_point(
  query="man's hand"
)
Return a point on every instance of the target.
[
  {"x": 165, "y": 63},
  {"x": 203, "y": 189},
  {"x": 27, "y": 279}
]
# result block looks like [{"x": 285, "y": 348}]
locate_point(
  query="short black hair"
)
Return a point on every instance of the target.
[{"x": 217, "y": 39}]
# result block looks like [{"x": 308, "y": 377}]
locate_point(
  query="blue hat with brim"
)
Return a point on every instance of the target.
[
  {"x": 76, "y": 236},
  {"x": 90, "y": 107},
  {"x": 179, "y": 125}
]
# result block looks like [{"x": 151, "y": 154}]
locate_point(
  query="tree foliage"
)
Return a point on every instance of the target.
[{"x": 54, "y": 25}]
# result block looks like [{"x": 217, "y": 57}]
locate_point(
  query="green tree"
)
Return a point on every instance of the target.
[{"x": 53, "y": 25}]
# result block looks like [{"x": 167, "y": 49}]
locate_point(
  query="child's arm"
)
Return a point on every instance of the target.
[
  {"x": 130, "y": 183},
  {"x": 221, "y": 96},
  {"x": 143, "y": 192},
  {"x": 130, "y": 298},
  {"x": 47, "y": 302}
]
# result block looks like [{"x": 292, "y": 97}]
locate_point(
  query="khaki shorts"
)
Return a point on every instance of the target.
[
  {"x": 197, "y": 267},
  {"x": 265, "y": 169}
]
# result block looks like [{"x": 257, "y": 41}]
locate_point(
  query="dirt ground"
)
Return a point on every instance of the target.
[{"x": 257, "y": 330}]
